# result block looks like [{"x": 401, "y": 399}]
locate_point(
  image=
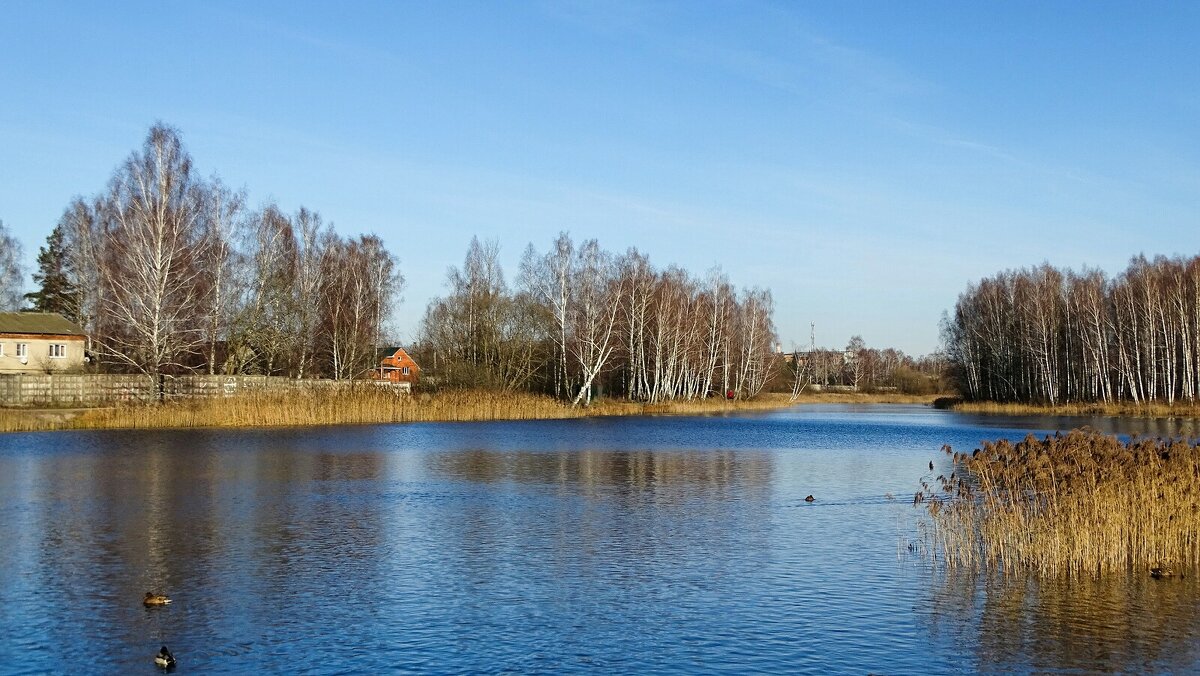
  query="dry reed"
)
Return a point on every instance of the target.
[
  {"x": 1083, "y": 503},
  {"x": 1122, "y": 408},
  {"x": 353, "y": 406}
]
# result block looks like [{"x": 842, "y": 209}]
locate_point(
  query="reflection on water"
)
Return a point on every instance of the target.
[
  {"x": 669, "y": 544},
  {"x": 1146, "y": 427},
  {"x": 635, "y": 471},
  {"x": 1023, "y": 622}
]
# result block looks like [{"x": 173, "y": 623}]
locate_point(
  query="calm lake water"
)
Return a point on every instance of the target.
[{"x": 616, "y": 545}]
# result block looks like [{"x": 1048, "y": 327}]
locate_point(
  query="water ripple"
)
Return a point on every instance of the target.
[{"x": 665, "y": 545}]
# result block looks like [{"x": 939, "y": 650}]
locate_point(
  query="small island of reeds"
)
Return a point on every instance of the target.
[{"x": 1082, "y": 503}]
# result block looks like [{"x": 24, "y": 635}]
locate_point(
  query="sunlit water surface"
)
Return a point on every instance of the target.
[{"x": 617, "y": 545}]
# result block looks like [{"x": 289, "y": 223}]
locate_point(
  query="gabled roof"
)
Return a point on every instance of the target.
[{"x": 38, "y": 322}]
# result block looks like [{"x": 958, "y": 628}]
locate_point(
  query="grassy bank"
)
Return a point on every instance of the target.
[
  {"x": 865, "y": 398},
  {"x": 371, "y": 405},
  {"x": 363, "y": 406},
  {"x": 1112, "y": 409},
  {"x": 1083, "y": 503}
]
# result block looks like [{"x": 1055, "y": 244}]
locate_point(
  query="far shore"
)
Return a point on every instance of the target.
[
  {"x": 374, "y": 407},
  {"x": 1123, "y": 409}
]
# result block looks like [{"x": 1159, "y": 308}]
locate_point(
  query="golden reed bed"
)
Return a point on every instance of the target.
[
  {"x": 1083, "y": 503},
  {"x": 1129, "y": 409},
  {"x": 372, "y": 405},
  {"x": 358, "y": 406}
]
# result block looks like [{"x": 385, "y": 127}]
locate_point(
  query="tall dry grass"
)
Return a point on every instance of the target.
[
  {"x": 1083, "y": 503},
  {"x": 1123, "y": 408},
  {"x": 353, "y": 406}
]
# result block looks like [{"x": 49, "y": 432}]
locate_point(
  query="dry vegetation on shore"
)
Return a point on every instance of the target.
[
  {"x": 347, "y": 407},
  {"x": 1125, "y": 408},
  {"x": 1083, "y": 503},
  {"x": 865, "y": 398},
  {"x": 372, "y": 405}
]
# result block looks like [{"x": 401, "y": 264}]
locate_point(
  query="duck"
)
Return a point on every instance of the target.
[
  {"x": 151, "y": 599},
  {"x": 164, "y": 658},
  {"x": 1160, "y": 572},
  {"x": 810, "y": 499}
]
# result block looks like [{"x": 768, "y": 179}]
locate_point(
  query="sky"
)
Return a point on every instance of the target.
[{"x": 863, "y": 160}]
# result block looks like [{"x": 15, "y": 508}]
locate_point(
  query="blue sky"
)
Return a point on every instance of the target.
[{"x": 865, "y": 161}]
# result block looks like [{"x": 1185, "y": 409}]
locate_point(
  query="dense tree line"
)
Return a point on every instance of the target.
[
  {"x": 582, "y": 320},
  {"x": 1049, "y": 335},
  {"x": 168, "y": 271}
]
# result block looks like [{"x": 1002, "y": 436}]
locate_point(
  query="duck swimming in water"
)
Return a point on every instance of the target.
[
  {"x": 153, "y": 599},
  {"x": 164, "y": 658},
  {"x": 1160, "y": 572},
  {"x": 810, "y": 499}
]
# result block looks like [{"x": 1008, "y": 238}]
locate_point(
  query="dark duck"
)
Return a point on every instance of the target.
[{"x": 164, "y": 658}]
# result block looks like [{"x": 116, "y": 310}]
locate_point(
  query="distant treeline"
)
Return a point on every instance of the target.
[
  {"x": 1049, "y": 335},
  {"x": 170, "y": 272},
  {"x": 582, "y": 320},
  {"x": 869, "y": 369}
]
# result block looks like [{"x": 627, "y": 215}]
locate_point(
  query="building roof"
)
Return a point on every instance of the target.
[
  {"x": 389, "y": 351},
  {"x": 38, "y": 322}
]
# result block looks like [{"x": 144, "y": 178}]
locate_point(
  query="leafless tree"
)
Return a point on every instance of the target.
[
  {"x": 151, "y": 271},
  {"x": 267, "y": 326},
  {"x": 83, "y": 240},
  {"x": 223, "y": 211},
  {"x": 547, "y": 280},
  {"x": 856, "y": 354},
  {"x": 594, "y": 311},
  {"x": 359, "y": 278},
  {"x": 312, "y": 239},
  {"x": 484, "y": 335},
  {"x": 11, "y": 273}
]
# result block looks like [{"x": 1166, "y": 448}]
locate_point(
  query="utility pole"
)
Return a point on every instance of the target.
[{"x": 812, "y": 348}]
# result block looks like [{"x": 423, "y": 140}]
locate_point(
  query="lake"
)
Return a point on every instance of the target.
[{"x": 667, "y": 545}]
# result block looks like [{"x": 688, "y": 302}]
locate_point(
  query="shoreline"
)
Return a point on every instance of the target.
[
  {"x": 1077, "y": 409},
  {"x": 374, "y": 408}
]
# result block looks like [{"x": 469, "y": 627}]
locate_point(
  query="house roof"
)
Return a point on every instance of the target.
[{"x": 38, "y": 322}]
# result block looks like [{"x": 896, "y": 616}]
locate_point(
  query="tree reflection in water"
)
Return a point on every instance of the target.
[{"x": 1026, "y": 623}]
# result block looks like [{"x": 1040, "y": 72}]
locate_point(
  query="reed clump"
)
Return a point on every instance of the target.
[
  {"x": 1082, "y": 503},
  {"x": 347, "y": 406}
]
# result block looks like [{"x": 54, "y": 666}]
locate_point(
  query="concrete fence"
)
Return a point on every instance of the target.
[{"x": 87, "y": 389}]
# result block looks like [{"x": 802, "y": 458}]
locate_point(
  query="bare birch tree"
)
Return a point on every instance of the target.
[
  {"x": 312, "y": 239},
  {"x": 595, "y": 308},
  {"x": 151, "y": 273},
  {"x": 547, "y": 280},
  {"x": 11, "y": 273},
  {"x": 223, "y": 211},
  {"x": 266, "y": 327}
]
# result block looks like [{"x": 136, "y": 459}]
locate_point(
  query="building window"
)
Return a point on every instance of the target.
[
  {"x": 22, "y": 350},
  {"x": 57, "y": 350},
  {"x": 404, "y": 370}
]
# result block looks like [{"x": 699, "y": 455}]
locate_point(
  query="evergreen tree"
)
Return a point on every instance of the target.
[{"x": 57, "y": 292}]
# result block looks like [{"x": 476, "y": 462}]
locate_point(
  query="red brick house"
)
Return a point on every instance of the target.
[{"x": 397, "y": 367}]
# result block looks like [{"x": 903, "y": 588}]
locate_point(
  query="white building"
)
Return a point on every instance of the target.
[{"x": 40, "y": 342}]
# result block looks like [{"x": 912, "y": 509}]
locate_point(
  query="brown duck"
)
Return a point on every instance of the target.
[{"x": 151, "y": 599}]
